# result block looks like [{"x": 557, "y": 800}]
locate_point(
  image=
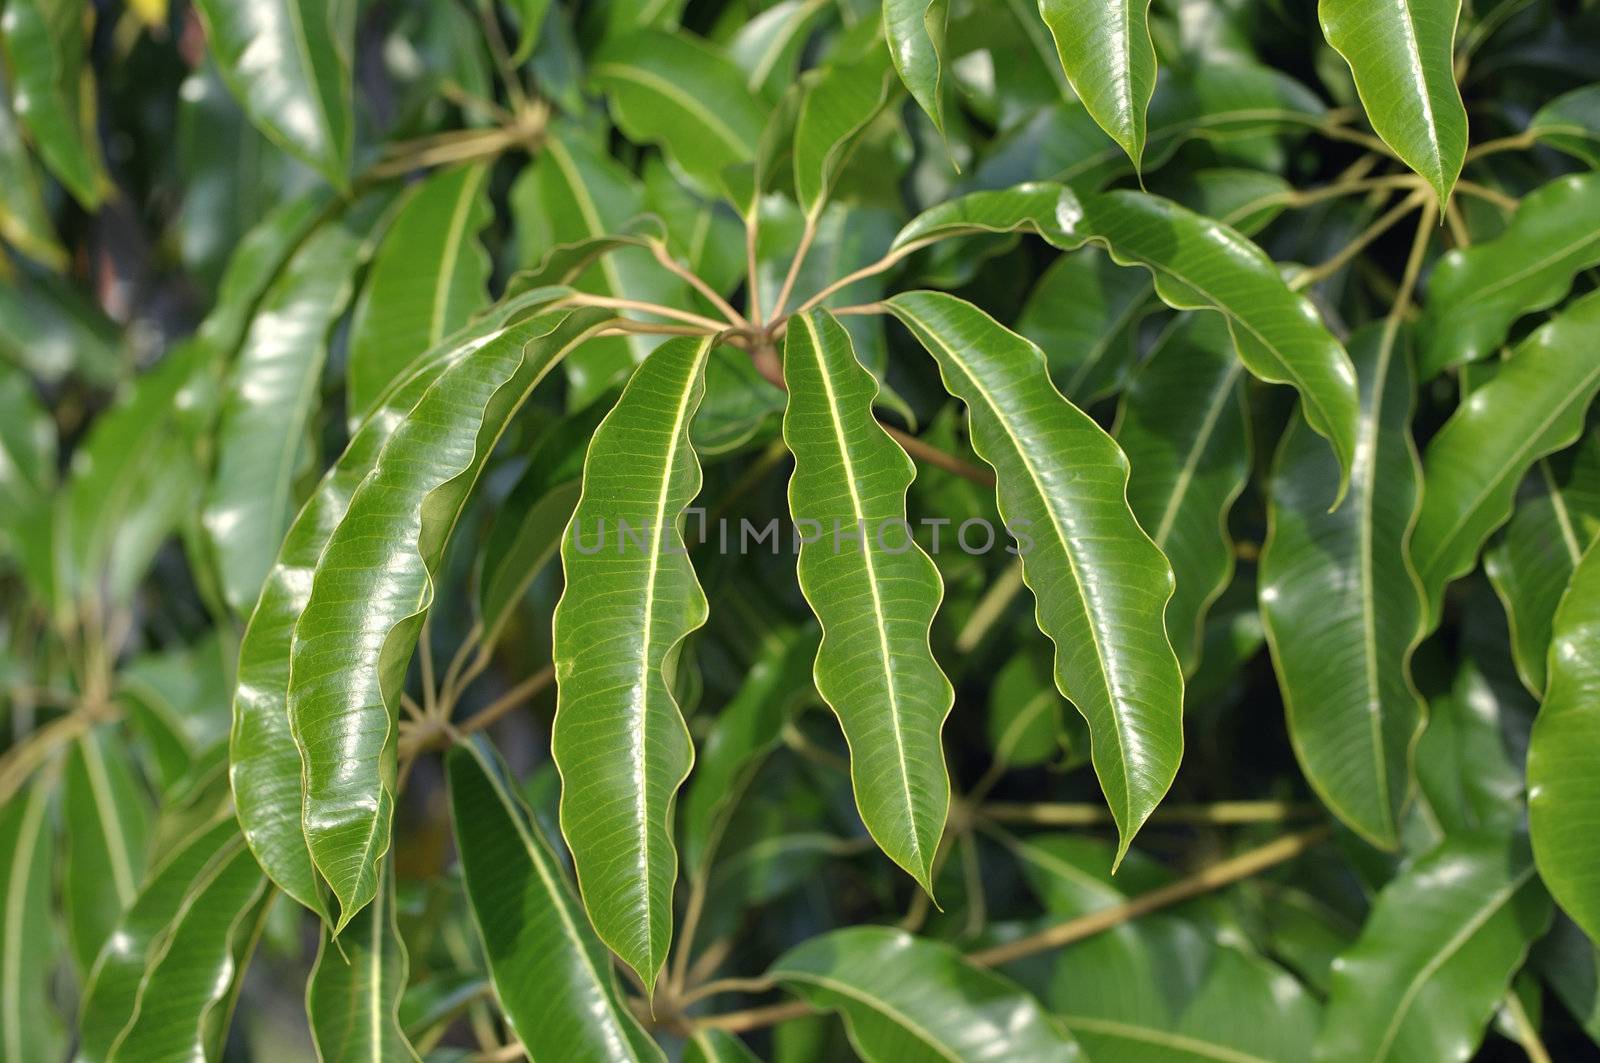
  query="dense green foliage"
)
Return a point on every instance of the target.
[{"x": 799, "y": 529}]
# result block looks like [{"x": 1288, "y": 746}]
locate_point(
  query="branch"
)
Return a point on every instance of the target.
[
  {"x": 1218, "y": 875},
  {"x": 1220, "y": 813}
]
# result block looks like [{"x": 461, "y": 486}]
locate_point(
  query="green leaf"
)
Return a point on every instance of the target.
[
  {"x": 916, "y": 32},
  {"x": 289, "y": 63},
  {"x": 1084, "y": 313},
  {"x": 768, "y": 47},
  {"x": 1025, "y": 723},
  {"x": 714, "y": 1046},
  {"x": 27, "y": 480},
  {"x": 160, "y": 983},
  {"x": 905, "y": 998},
  {"x": 264, "y": 762},
  {"x": 1100, "y": 584},
  {"x": 267, "y": 408},
  {"x": 631, "y": 599},
  {"x": 1403, "y": 59},
  {"x": 747, "y": 728},
  {"x": 1157, "y": 988},
  {"x": 572, "y": 194},
  {"x": 1476, "y": 294},
  {"x": 836, "y": 104},
  {"x": 1467, "y": 773},
  {"x": 373, "y": 585},
  {"x": 28, "y": 1029},
  {"x": 1555, "y": 521},
  {"x": 1106, "y": 50},
  {"x": 430, "y": 275},
  {"x": 1436, "y": 955},
  {"x": 24, "y": 222},
  {"x": 1534, "y": 405},
  {"x": 131, "y": 482},
  {"x": 232, "y": 175},
  {"x": 1341, "y": 604},
  {"x": 1184, "y": 426},
  {"x": 107, "y": 830},
  {"x": 567, "y": 1005},
  {"x": 1197, "y": 264},
  {"x": 1562, "y": 787},
  {"x": 876, "y": 599},
  {"x": 675, "y": 90},
  {"x": 539, "y": 524},
  {"x": 353, "y": 997},
  {"x": 52, "y": 91},
  {"x": 1571, "y": 123},
  {"x": 1220, "y": 103},
  {"x": 529, "y": 16}
]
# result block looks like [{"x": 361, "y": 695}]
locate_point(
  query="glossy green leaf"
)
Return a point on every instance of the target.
[
  {"x": 577, "y": 210},
  {"x": 107, "y": 829},
  {"x": 264, "y": 762},
  {"x": 28, "y": 946},
  {"x": 1220, "y": 103},
  {"x": 1469, "y": 761},
  {"x": 186, "y": 993},
  {"x": 233, "y": 176},
  {"x": 1571, "y": 123},
  {"x": 1476, "y": 294},
  {"x": 24, "y": 222},
  {"x": 289, "y": 63},
  {"x": 1403, "y": 59},
  {"x": 550, "y": 973},
  {"x": 916, "y": 32},
  {"x": 267, "y": 408},
  {"x": 1197, "y": 264},
  {"x": 1341, "y": 604},
  {"x": 1554, "y": 522},
  {"x": 373, "y": 585},
  {"x": 168, "y": 965},
  {"x": 768, "y": 47},
  {"x": 1534, "y": 405},
  {"x": 1436, "y": 955},
  {"x": 684, "y": 94},
  {"x": 836, "y": 104},
  {"x": 1105, "y": 49},
  {"x": 1562, "y": 788},
  {"x": 873, "y": 589},
  {"x": 905, "y": 998},
  {"x": 1156, "y": 988},
  {"x": 429, "y": 276},
  {"x": 1183, "y": 424},
  {"x": 714, "y": 1046},
  {"x": 353, "y": 997},
  {"x": 1100, "y": 584},
  {"x": 631, "y": 599},
  {"x": 1084, "y": 313},
  {"x": 52, "y": 91}
]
